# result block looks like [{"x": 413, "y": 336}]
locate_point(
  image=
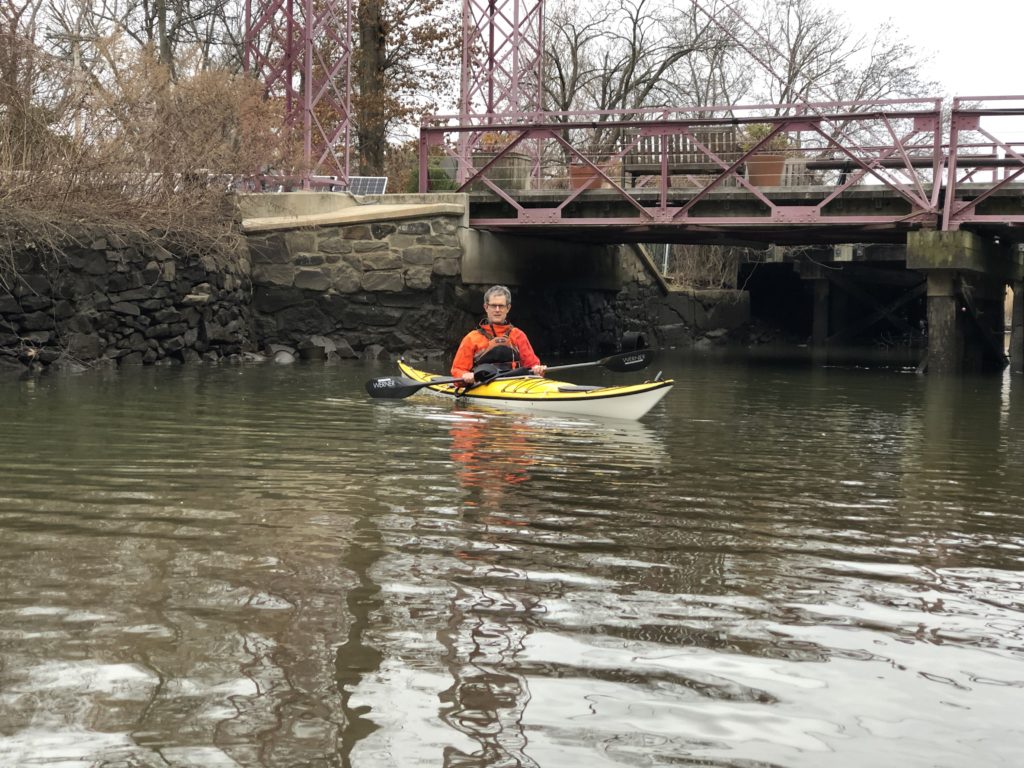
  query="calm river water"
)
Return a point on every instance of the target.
[{"x": 259, "y": 566}]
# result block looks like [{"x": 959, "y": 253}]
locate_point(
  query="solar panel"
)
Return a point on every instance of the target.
[{"x": 367, "y": 185}]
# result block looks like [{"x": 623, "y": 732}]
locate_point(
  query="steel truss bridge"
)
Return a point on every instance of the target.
[{"x": 849, "y": 171}]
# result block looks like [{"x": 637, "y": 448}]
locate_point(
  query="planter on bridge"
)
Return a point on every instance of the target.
[
  {"x": 765, "y": 169},
  {"x": 584, "y": 177}
]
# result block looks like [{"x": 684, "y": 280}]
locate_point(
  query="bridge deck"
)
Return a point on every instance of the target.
[{"x": 802, "y": 214}]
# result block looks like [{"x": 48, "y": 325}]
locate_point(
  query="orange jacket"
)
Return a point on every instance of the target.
[{"x": 476, "y": 340}]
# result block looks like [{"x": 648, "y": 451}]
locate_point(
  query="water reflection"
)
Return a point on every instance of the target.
[
  {"x": 487, "y": 700},
  {"x": 251, "y": 567},
  {"x": 491, "y": 454},
  {"x": 488, "y": 459},
  {"x": 480, "y": 588}
]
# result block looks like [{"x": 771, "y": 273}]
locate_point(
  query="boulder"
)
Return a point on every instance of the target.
[
  {"x": 10, "y": 368},
  {"x": 375, "y": 352},
  {"x": 126, "y": 308},
  {"x": 343, "y": 349},
  {"x": 316, "y": 348},
  {"x": 9, "y": 304},
  {"x": 84, "y": 346}
]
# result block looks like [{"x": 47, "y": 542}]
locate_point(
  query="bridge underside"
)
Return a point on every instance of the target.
[
  {"x": 906, "y": 282},
  {"x": 797, "y": 215}
]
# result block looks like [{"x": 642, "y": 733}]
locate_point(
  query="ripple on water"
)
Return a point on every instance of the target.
[{"x": 252, "y": 567}]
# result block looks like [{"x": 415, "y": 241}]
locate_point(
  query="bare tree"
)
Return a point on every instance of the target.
[
  {"x": 407, "y": 59},
  {"x": 623, "y": 54},
  {"x": 184, "y": 33},
  {"x": 806, "y": 52},
  {"x": 601, "y": 54},
  {"x": 33, "y": 86},
  {"x": 890, "y": 68},
  {"x": 718, "y": 73}
]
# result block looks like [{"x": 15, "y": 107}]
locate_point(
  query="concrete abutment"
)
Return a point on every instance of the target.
[
  {"x": 1017, "y": 328},
  {"x": 414, "y": 286}
]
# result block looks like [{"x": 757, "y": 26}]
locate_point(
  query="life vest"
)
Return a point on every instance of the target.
[{"x": 499, "y": 349}]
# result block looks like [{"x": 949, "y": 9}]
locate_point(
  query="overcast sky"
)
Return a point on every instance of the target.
[{"x": 974, "y": 46}]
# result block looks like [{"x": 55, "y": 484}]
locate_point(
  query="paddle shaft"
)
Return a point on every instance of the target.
[
  {"x": 626, "y": 361},
  {"x": 400, "y": 386}
]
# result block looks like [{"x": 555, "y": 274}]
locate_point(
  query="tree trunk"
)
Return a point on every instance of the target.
[
  {"x": 163, "y": 38},
  {"x": 372, "y": 122}
]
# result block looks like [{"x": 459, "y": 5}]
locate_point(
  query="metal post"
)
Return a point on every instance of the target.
[
  {"x": 301, "y": 51},
  {"x": 502, "y": 57}
]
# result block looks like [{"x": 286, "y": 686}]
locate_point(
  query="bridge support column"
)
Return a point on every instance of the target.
[
  {"x": 1017, "y": 329},
  {"x": 821, "y": 302},
  {"x": 966, "y": 277},
  {"x": 945, "y": 336},
  {"x": 819, "y": 321}
]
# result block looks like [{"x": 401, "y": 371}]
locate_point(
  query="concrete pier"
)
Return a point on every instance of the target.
[
  {"x": 967, "y": 275},
  {"x": 945, "y": 333},
  {"x": 1016, "y": 350}
]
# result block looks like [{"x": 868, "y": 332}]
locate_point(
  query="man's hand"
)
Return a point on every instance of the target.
[
  {"x": 468, "y": 377},
  {"x": 539, "y": 369}
]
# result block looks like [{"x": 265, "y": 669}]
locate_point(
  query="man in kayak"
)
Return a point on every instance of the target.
[{"x": 495, "y": 341}]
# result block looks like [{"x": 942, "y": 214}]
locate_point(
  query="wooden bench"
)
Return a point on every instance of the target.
[{"x": 685, "y": 158}]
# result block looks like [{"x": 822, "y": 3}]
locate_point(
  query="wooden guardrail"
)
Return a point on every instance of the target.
[{"x": 684, "y": 154}]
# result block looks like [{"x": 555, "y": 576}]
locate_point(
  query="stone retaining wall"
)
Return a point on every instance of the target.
[
  {"x": 369, "y": 290},
  {"x": 360, "y": 289},
  {"x": 105, "y": 299},
  {"x": 700, "y": 317}
]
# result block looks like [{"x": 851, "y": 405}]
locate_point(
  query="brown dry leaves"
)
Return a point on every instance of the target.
[{"x": 125, "y": 145}]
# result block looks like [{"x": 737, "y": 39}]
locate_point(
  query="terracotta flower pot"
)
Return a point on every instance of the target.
[
  {"x": 579, "y": 177},
  {"x": 765, "y": 170}
]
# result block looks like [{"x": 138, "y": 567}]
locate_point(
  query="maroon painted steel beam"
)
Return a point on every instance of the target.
[
  {"x": 502, "y": 65},
  {"x": 974, "y": 145},
  {"x": 893, "y": 162},
  {"x": 502, "y": 57},
  {"x": 891, "y": 150},
  {"x": 301, "y": 51}
]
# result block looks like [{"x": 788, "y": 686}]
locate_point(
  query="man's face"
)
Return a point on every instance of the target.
[{"x": 497, "y": 309}]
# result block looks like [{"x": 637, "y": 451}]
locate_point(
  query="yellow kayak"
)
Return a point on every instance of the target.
[{"x": 534, "y": 393}]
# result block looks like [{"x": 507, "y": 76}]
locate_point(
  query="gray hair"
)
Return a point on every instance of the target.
[{"x": 494, "y": 290}]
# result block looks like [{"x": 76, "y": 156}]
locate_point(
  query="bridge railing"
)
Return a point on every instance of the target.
[
  {"x": 664, "y": 164},
  {"x": 985, "y": 156}
]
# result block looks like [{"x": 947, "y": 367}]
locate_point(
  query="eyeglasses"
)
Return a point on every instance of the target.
[{"x": 496, "y": 306}]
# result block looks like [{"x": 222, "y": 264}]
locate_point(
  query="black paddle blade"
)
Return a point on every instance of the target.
[
  {"x": 393, "y": 387},
  {"x": 626, "y": 362},
  {"x": 486, "y": 372}
]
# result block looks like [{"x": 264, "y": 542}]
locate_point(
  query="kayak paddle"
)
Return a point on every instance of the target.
[{"x": 400, "y": 386}]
